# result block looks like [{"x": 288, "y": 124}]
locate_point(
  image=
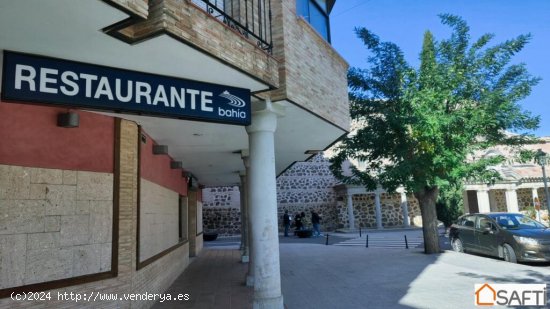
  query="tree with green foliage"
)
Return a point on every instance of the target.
[
  {"x": 417, "y": 127},
  {"x": 450, "y": 205}
]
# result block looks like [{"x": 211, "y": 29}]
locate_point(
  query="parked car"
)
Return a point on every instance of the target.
[{"x": 510, "y": 236}]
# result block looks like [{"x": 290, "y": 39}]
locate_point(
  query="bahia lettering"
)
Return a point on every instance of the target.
[
  {"x": 42, "y": 80},
  {"x": 233, "y": 101}
]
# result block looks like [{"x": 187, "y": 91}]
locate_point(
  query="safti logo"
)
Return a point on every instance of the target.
[
  {"x": 234, "y": 100},
  {"x": 510, "y": 295}
]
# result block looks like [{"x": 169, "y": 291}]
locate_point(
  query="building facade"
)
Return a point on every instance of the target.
[
  {"x": 520, "y": 187},
  {"x": 115, "y": 114}
]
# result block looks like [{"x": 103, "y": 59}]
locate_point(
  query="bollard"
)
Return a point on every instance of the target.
[
  {"x": 326, "y": 244},
  {"x": 359, "y": 232},
  {"x": 406, "y": 242},
  {"x": 367, "y": 241}
]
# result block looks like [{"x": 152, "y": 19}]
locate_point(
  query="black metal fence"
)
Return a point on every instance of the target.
[{"x": 250, "y": 18}]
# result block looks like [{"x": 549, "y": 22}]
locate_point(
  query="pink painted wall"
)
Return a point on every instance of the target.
[
  {"x": 156, "y": 168},
  {"x": 29, "y": 136}
]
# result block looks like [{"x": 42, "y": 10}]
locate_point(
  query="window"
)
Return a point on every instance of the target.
[
  {"x": 468, "y": 221},
  {"x": 316, "y": 13}
]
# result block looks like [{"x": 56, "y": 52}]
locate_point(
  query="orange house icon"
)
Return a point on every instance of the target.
[{"x": 485, "y": 290}]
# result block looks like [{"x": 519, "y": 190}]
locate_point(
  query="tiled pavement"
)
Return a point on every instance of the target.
[{"x": 213, "y": 280}]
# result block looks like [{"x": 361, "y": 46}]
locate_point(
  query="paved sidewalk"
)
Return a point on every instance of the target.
[
  {"x": 317, "y": 276},
  {"x": 213, "y": 280}
]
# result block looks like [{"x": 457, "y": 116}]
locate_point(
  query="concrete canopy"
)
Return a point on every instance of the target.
[{"x": 71, "y": 29}]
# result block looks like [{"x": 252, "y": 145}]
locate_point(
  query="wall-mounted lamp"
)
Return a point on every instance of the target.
[
  {"x": 175, "y": 164},
  {"x": 160, "y": 149},
  {"x": 68, "y": 120}
]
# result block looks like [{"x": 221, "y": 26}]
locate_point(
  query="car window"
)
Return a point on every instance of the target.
[
  {"x": 484, "y": 223},
  {"x": 469, "y": 221},
  {"x": 516, "y": 221}
]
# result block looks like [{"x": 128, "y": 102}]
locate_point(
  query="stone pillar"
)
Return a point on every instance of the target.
[
  {"x": 535, "y": 196},
  {"x": 483, "y": 203},
  {"x": 351, "y": 216},
  {"x": 250, "y": 243},
  {"x": 378, "y": 209},
  {"x": 405, "y": 209},
  {"x": 512, "y": 200},
  {"x": 245, "y": 258},
  {"x": 263, "y": 208},
  {"x": 465, "y": 201}
]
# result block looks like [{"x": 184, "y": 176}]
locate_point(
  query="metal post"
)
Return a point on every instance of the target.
[
  {"x": 367, "y": 241},
  {"x": 406, "y": 242},
  {"x": 359, "y": 232},
  {"x": 326, "y": 244}
]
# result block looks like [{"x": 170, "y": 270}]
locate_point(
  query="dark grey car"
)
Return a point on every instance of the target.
[{"x": 510, "y": 236}]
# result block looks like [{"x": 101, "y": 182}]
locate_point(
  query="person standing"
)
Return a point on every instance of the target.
[
  {"x": 286, "y": 222},
  {"x": 316, "y": 222}
]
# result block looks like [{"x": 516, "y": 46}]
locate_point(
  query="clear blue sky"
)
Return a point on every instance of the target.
[{"x": 404, "y": 22}]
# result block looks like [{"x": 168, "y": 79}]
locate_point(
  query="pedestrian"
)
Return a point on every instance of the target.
[
  {"x": 286, "y": 222},
  {"x": 316, "y": 222}
]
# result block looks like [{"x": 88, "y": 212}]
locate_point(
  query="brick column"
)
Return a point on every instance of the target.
[
  {"x": 126, "y": 195},
  {"x": 192, "y": 222}
]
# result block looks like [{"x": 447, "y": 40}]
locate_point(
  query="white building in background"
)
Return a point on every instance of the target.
[{"x": 520, "y": 187}]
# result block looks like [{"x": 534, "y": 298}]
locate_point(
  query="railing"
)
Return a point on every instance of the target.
[{"x": 250, "y": 18}]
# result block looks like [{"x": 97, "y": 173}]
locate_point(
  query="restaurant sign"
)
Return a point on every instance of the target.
[{"x": 44, "y": 80}]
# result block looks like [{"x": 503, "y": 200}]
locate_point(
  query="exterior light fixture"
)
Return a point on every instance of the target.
[
  {"x": 541, "y": 158},
  {"x": 160, "y": 149},
  {"x": 68, "y": 120}
]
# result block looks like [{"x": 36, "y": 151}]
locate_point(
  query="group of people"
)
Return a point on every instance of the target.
[{"x": 299, "y": 222}]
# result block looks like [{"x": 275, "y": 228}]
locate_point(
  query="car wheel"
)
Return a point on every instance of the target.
[
  {"x": 457, "y": 245},
  {"x": 509, "y": 254}
]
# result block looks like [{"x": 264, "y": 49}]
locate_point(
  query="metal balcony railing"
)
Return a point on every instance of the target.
[{"x": 250, "y": 18}]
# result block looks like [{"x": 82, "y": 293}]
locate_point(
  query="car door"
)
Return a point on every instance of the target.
[
  {"x": 467, "y": 233},
  {"x": 486, "y": 236}
]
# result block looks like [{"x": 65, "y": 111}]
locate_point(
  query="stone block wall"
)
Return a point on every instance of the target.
[
  {"x": 392, "y": 214},
  {"x": 54, "y": 224},
  {"x": 159, "y": 221},
  {"x": 63, "y": 198},
  {"x": 309, "y": 186},
  {"x": 221, "y": 210}
]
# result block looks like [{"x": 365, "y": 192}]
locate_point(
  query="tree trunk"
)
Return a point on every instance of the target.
[{"x": 426, "y": 199}]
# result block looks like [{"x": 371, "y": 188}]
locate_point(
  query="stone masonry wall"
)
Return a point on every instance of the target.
[
  {"x": 159, "y": 226},
  {"x": 54, "y": 224},
  {"x": 309, "y": 186},
  {"x": 304, "y": 187},
  {"x": 154, "y": 278},
  {"x": 221, "y": 210}
]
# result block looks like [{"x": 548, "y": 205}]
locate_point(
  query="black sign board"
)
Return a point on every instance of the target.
[{"x": 44, "y": 80}]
